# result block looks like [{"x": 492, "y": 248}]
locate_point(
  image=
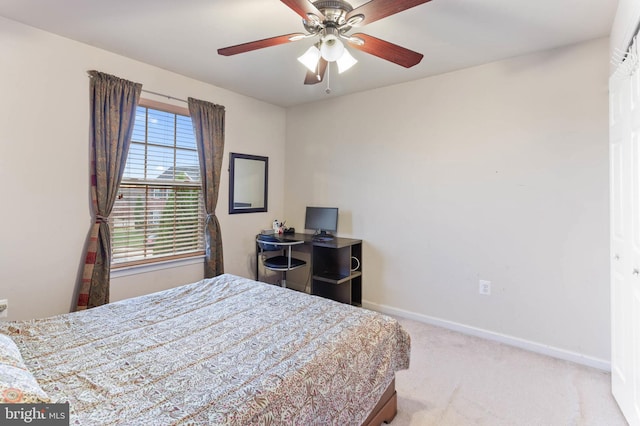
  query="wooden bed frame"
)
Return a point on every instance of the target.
[{"x": 386, "y": 409}]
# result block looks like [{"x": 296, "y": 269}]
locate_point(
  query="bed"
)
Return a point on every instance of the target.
[{"x": 221, "y": 351}]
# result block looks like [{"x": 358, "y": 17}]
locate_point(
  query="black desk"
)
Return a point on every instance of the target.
[{"x": 336, "y": 266}]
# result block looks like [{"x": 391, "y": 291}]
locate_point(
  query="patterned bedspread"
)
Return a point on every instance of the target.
[{"x": 222, "y": 351}]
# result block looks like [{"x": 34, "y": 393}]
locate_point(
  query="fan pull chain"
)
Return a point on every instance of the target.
[{"x": 328, "y": 89}]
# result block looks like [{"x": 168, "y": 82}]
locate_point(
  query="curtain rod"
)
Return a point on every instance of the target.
[
  {"x": 164, "y": 96},
  {"x": 157, "y": 94}
]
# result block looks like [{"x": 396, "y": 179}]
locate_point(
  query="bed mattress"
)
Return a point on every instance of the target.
[{"x": 225, "y": 350}]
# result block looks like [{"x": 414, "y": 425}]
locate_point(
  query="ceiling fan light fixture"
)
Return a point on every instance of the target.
[
  {"x": 330, "y": 22},
  {"x": 332, "y": 48},
  {"x": 345, "y": 61},
  {"x": 310, "y": 58}
]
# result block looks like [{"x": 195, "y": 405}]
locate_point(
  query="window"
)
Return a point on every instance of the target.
[{"x": 159, "y": 213}]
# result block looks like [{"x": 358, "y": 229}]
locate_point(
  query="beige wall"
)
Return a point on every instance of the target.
[
  {"x": 44, "y": 219},
  {"x": 497, "y": 172}
]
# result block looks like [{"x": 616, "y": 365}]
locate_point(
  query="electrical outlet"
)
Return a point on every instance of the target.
[
  {"x": 4, "y": 307},
  {"x": 485, "y": 288}
]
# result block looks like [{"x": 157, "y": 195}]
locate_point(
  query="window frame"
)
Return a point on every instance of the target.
[{"x": 161, "y": 262}]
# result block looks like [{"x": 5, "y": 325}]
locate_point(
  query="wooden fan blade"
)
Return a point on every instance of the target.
[
  {"x": 312, "y": 77},
  {"x": 304, "y": 8},
  {"x": 258, "y": 44},
  {"x": 378, "y": 9},
  {"x": 386, "y": 50}
]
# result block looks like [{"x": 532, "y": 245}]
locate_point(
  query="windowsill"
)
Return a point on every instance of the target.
[{"x": 157, "y": 266}]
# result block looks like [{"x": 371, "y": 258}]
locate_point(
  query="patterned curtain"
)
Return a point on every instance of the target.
[
  {"x": 208, "y": 124},
  {"x": 113, "y": 110}
]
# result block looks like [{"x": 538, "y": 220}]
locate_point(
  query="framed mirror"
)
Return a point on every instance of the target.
[{"x": 248, "y": 183}]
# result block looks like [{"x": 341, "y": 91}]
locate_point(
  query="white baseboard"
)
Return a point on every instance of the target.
[{"x": 497, "y": 337}]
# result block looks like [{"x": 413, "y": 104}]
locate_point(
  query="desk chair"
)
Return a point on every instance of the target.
[{"x": 282, "y": 263}]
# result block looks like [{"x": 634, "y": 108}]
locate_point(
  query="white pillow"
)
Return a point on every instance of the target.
[{"x": 17, "y": 384}]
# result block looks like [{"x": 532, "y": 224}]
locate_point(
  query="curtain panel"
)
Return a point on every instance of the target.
[
  {"x": 113, "y": 108},
  {"x": 208, "y": 125}
]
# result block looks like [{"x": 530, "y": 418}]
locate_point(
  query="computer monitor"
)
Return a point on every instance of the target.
[{"x": 323, "y": 220}]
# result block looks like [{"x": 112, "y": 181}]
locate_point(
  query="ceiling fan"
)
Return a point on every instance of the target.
[{"x": 330, "y": 21}]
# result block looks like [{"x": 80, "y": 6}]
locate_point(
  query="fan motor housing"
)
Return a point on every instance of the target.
[{"x": 334, "y": 11}]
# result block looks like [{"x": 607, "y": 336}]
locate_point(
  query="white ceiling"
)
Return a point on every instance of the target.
[{"x": 183, "y": 36}]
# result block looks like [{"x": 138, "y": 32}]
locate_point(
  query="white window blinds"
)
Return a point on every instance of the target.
[{"x": 159, "y": 212}]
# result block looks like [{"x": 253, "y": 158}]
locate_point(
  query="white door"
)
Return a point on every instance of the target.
[{"x": 625, "y": 242}]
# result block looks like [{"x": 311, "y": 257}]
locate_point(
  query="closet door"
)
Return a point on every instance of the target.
[
  {"x": 625, "y": 243},
  {"x": 633, "y": 286}
]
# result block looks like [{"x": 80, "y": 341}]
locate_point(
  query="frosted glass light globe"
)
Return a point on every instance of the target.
[{"x": 332, "y": 48}]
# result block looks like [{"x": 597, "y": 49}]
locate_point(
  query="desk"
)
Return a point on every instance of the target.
[{"x": 336, "y": 267}]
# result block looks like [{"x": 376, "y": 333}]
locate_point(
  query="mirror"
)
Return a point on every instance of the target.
[{"x": 248, "y": 183}]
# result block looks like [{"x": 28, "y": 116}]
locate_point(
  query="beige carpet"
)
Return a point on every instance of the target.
[{"x": 457, "y": 379}]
